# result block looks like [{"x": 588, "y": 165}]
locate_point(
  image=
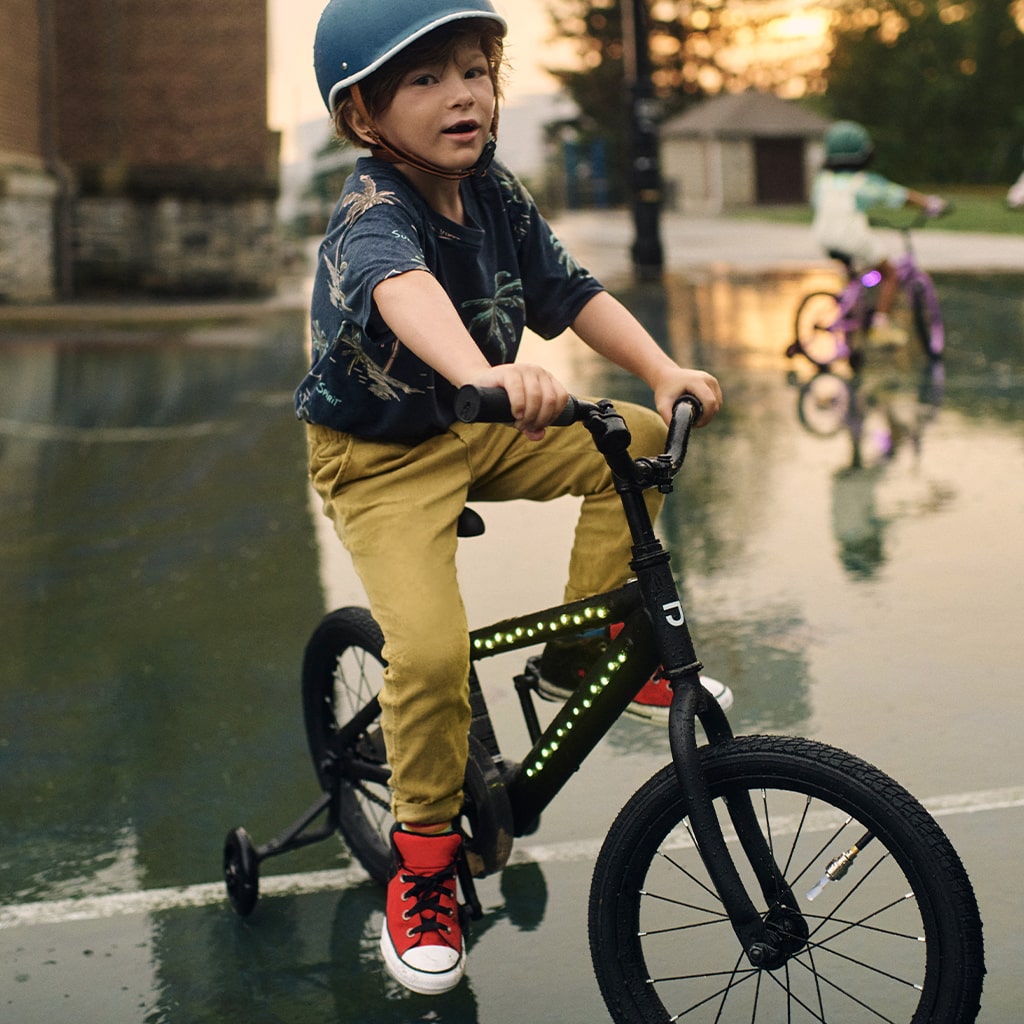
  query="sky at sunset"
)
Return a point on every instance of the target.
[{"x": 293, "y": 95}]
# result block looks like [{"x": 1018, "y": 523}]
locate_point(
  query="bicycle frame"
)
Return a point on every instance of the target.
[
  {"x": 655, "y": 625},
  {"x": 853, "y": 313},
  {"x": 917, "y": 286},
  {"x": 601, "y": 697}
]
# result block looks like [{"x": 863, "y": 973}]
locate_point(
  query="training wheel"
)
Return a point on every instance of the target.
[{"x": 241, "y": 871}]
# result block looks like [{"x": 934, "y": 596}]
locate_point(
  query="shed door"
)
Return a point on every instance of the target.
[{"x": 780, "y": 170}]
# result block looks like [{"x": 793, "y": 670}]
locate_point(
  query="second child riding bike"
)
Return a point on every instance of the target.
[
  {"x": 831, "y": 327},
  {"x": 844, "y": 192}
]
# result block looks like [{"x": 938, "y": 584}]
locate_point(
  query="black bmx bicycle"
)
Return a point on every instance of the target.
[{"x": 754, "y": 878}]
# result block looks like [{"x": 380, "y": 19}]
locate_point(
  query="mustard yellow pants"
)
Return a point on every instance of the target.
[{"x": 395, "y": 508}]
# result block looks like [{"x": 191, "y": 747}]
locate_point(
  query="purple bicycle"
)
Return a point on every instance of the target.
[{"x": 831, "y": 327}]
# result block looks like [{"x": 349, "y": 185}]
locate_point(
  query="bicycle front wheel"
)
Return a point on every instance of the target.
[
  {"x": 895, "y": 937},
  {"x": 817, "y": 333}
]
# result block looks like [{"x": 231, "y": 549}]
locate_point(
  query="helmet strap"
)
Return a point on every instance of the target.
[{"x": 384, "y": 150}]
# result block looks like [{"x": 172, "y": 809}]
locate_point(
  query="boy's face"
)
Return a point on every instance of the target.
[{"x": 442, "y": 112}]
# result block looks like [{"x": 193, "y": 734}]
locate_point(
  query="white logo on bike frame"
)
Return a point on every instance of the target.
[{"x": 674, "y": 616}]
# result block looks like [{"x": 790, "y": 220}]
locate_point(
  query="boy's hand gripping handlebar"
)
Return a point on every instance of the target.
[{"x": 611, "y": 436}]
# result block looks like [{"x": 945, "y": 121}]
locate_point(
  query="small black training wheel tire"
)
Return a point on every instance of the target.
[
  {"x": 342, "y": 674},
  {"x": 241, "y": 871},
  {"x": 897, "y": 936}
]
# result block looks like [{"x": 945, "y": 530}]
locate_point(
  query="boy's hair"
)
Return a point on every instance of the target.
[{"x": 437, "y": 47}]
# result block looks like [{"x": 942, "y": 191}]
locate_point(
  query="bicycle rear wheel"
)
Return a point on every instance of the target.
[
  {"x": 816, "y": 335},
  {"x": 928, "y": 326},
  {"x": 342, "y": 672},
  {"x": 897, "y": 938}
]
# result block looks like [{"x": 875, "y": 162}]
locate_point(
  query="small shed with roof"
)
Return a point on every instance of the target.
[{"x": 739, "y": 149}]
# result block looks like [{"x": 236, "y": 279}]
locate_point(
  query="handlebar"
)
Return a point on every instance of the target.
[
  {"x": 606, "y": 426},
  {"x": 918, "y": 218},
  {"x": 491, "y": 405}
]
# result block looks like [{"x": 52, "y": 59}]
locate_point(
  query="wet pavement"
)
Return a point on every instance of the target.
[{"x": 855, "y": 579}]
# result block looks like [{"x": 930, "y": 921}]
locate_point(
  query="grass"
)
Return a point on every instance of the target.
[{"x": 974, "y": 209}]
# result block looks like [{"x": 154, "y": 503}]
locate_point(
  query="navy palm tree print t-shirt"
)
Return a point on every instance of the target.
[{"x": 503, "y": 270}]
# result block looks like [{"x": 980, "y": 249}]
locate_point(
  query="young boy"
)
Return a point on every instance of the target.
[
  {"x": 844, "y": 190},
  {"x": 434, "y": 262}
]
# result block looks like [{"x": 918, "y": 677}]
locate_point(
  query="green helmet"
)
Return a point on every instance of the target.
[{"x": 847, "y": 145}]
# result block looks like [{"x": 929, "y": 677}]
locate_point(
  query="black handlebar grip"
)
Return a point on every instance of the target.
[
  {"x": 482, "y": 405},
  {"x": 491, "y": 405},
  {"x": 695, "y": 403}
]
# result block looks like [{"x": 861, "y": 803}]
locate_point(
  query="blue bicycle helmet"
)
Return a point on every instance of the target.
[{"x": 355, "y": 37}]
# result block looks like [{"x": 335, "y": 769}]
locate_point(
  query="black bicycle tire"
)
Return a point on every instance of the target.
[
  {"x": 807, "y": 343},
  {"x": 349, "y": 640},
  {"x": 924, "y": 322},
  {"x": 953, "y": 956},
  {"x": 341, "y": 677}
]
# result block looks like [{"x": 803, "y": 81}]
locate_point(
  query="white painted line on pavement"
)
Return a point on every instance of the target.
[{"x": 148, "y": 901}]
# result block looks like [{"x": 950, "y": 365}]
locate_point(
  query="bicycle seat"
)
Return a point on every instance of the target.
[{"x": 470, "y": 523}]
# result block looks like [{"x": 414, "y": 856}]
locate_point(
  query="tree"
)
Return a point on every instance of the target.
[
  {"x": 940, "y": 84},
  {"x": 697, "y": 47}
]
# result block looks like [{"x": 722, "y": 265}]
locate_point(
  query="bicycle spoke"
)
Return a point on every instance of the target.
[
  {"x": 864, "y": 922},
  {"x": 822, "y": 979},
  {"x": 866, "y": 966},
  {"x": 739, "y": 978},
  {"x": 792, "y": 998},
  {"x": 797, "y": 832},
  {"x": 689, "y": 874}
]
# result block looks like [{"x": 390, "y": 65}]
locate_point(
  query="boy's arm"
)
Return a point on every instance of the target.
[
  {"x": 419, "y": 311},
  {"x": 613, "y": 332}
]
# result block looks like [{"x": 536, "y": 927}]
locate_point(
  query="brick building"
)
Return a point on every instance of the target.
[{"x": 134, "y": 149}]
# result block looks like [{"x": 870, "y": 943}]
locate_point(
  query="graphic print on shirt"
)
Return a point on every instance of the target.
[
  {"x": 495, "y": 316},
  {"x": 566, "y": 258},
  {"x": 348, "y": 343},
  {"x": 380, "y": 383},
  {"x": 336, "y": 273},
  {"x": 359, "y": 202},
  {"x": 517, "y": 202}
]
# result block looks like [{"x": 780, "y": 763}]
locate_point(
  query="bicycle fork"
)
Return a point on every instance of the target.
[{"x": 767, "y": 942}]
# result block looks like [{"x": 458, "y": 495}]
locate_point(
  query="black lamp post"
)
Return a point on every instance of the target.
[{"x": 645, "y": 177}]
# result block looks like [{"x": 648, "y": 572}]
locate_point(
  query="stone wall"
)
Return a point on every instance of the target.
[
  {"x": 154, "y": 117},
  {"x": 27, "y": 190},
  {"x": 26, "y": 235},
  {"x": 178, "y": 246}
]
